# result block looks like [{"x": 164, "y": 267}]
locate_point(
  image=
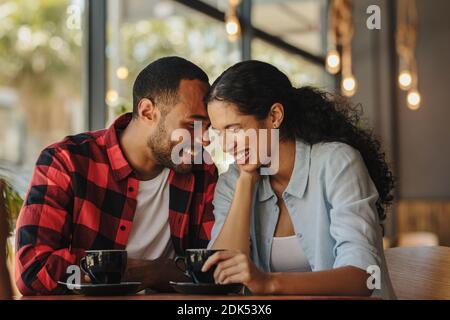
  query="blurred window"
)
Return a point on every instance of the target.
[
  {"x": 300, "y": 71},
  {"x": 40, "y": 77},
  {"x": 141, "y": 31}
]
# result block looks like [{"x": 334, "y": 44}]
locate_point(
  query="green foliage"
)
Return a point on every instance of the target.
[
  {"x": 123, "y": 107},
  {"x": 13, "y": 203},
  {"x": 36, "y": 47}
]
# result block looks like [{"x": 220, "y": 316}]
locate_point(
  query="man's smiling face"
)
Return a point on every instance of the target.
[{"x": 189, "y": 107}]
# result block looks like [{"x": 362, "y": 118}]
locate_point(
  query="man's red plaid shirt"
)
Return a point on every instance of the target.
[{"x": 83, "y": 196}]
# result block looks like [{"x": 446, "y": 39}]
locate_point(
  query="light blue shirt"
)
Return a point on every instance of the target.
[{"x": 331, "y": 201}]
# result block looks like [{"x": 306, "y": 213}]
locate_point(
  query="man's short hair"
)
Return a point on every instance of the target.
[{"x": 159, "y": 81}]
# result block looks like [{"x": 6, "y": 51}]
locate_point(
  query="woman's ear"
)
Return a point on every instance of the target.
[{"x": 276, "y": 115}]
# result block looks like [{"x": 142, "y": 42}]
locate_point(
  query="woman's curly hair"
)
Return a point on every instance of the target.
[{"x": 310, "y": 114}]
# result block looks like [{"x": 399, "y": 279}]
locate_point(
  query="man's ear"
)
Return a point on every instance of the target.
[
  {"x": 147, "y": 110},
  {"x": 276, "y": 115}
]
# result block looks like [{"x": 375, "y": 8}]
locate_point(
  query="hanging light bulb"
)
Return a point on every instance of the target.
[
  {"x": 233, "y": 27},
  {"x": 340, "y": 36},
  {"x": 349, "y": 86},
  {"x": 405, "y": 80},
  {"x": 406, "y": 36},
  {"x": 413, "y": 99},
  {"x": 333, "y": 62},
  {"x": 232, "y": 24}
]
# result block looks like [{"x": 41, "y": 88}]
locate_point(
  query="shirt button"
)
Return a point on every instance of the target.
[{"x": 123, "y": 228}]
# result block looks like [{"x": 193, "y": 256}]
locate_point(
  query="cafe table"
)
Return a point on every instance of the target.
[{"x": 176, "y": 296}]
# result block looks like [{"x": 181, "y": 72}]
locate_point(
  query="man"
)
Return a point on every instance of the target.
[{"x": 119, "y": 188}]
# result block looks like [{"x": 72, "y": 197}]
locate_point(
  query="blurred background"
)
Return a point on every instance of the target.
[{"x": 68, "y": 66}]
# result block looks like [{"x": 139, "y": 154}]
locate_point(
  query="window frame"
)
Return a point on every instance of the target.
[{"x": 95, "y": 49}]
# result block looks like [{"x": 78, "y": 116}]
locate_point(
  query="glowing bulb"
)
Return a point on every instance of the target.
[
  {"x": 413, "y": 99},
  {"x": 349, "y": 86},
  {"x": 333, "y": 62},
  {"x": 405, "y": 80},
  {"x": 233, "y": 28},
  {"x": 112, "y": 96},
  {"x": 122, "y": 73}
]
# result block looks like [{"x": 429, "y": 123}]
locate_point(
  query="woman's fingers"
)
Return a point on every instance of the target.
[
  {"x": 217, "y": 257},
  {"x": 226, "y": 264},
  {"x": 229, "y": 272},
  {"x": 235, "y": 278}
]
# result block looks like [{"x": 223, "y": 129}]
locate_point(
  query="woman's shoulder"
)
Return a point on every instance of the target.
[
  {"x": 337, "y": 163},
  {"x": 326, "y": 154}
]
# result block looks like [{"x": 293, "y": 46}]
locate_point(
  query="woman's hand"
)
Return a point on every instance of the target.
[
  {"x": 235, "y": 232},
  {"x": 248, "y": 171},
  {"x": 246, "y": 159},
  {"x": 248, "y": 168},
  {"x": 236, "y": 267},
  {"x": 249, "y": 176}
]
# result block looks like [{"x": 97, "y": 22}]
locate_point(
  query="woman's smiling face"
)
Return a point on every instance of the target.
[{"x": 242, "y": 136}]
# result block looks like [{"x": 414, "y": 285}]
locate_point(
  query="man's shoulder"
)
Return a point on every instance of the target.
[{"x": 85, "y": 144}]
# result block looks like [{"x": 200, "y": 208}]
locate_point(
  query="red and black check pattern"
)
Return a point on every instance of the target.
[{"x": 83, "y": 196}]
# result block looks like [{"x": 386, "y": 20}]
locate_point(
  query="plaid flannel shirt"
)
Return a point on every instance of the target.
[{"x": 83, "y": 196}]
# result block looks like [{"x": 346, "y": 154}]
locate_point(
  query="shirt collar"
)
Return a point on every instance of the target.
[
  {"x": 119, "y": 165},
  {"x": 299, "y": 178}
]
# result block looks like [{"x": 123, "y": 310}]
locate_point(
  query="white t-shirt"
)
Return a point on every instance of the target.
[
  {"x": 288, "y": 256},
  {"x": 150, "y": 233}
]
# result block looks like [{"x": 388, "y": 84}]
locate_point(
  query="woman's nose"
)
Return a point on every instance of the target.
[{"x": 228, "y": 144}]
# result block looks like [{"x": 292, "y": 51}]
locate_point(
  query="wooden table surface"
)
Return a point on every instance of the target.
[{"x": 175, "y": 296}]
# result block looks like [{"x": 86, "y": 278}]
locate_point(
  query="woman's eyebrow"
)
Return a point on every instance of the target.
[
  {"x": 227, "y": 126},
  {"x": 231, "y": 125}
]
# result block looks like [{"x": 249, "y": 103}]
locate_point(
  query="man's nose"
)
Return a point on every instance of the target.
[{"x": 203, "y": 139}]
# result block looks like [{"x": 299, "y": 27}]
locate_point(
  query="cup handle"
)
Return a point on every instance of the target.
[
  {"x": 83, "y": 268},
  {"x": 180, "y": 258},
  {"x": 83, "y": 265}
]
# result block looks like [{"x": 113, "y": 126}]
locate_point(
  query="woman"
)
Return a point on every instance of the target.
[{"x": 313, "y": 226}]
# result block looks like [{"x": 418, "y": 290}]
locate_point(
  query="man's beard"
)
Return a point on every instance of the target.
[{"x": 161, "y": 148}]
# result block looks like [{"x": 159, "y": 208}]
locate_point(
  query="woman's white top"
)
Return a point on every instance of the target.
[{"x": 287, "y": 255}]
